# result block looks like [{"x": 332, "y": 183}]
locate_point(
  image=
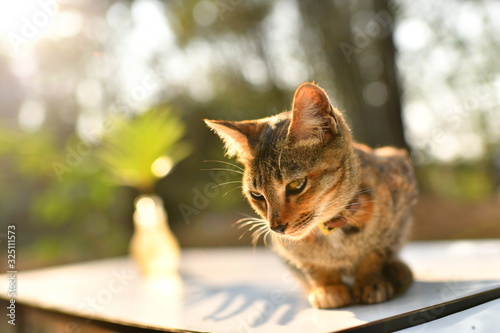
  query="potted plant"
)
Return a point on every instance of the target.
[{"x": 137, "y": 152}]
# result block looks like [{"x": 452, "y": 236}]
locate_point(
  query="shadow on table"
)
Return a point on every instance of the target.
[{"x": 258, "y": 305}]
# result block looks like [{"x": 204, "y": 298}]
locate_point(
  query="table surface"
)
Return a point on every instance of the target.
[{"x": 249, "y": 290}]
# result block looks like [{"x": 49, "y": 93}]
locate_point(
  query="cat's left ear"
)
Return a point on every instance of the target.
[
  {"x": 313, "y": 116},
  {"x": 239, "y": 137}
]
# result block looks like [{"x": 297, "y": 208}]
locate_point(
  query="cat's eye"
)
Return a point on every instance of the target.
[
  {"x": 256, "y": 196},
  {"x": 296, "y": 186}
]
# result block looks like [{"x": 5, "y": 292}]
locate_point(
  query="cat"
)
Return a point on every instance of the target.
[{"x": 338, "y": 210}]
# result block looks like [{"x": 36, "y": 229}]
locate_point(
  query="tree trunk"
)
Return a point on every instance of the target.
[{"x": 360, "y": 57}]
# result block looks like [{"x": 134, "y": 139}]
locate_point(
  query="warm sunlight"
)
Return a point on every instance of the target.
[
  {"x": 161, "y": 166},
  {"x": 25, "y": 21},
  {"x": 364, "y": 191}
]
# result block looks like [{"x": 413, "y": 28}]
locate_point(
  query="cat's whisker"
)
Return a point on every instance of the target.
[
  {"x": 243, "y": 234},
  {"x": 359, "y": 210},
  {"x": 257, "y": 226},
  {"x": 241, "y": 226},
  {"x": 333, "y": 206},
  {"x": 246, "y": 231},
  {"x": 225, "y": 162},
  {"x": 223, "y": 169},
  {"x": 249, "y": 223},
  {"x": 237, "y": 187},
  {"x": 246, "y": 223},
  {"x": 226, "y": 183},
  {"x": 261, "y": 229},
  {"x": 250, "y": 219},
  {"x": 266, "y": 235},
  {"x": 247, "y": 218},
  {"x": 256, "y": 235},
  {"x": 366, "y": 189}
]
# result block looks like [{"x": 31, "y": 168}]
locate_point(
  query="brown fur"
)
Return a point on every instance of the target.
[{"x": 373, "y": 191}]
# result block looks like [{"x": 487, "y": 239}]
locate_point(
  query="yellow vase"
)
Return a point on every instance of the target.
[{"x": 153, "y": 246}]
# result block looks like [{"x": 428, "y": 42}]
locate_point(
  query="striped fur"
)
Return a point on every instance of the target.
[{"x": 371, "y": 192}]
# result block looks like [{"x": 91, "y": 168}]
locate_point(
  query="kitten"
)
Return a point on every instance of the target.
[{"x": 339, "y": 211}]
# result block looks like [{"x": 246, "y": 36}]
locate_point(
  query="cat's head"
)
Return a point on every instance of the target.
[{"x": 300, "y": 168}]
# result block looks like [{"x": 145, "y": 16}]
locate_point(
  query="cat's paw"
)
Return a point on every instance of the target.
[
  {"x": 375, "y": 290},
  {"x": 329, "y": 297}
]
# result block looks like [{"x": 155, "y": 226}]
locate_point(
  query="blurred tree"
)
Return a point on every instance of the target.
[
  {"x": 58, "y": 199},
  {"x": 359, "y": 58},
  {"x": 344, "y": 46}
]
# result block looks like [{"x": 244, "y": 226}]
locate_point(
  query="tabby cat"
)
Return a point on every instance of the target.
[{"x": 339, "y": 211}]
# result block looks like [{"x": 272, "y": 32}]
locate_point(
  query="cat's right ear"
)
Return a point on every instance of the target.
[
  {"x": 313, "y": 116},
  {"x": 238, "y": 136}
]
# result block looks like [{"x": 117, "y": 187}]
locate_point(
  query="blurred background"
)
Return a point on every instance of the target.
[{"x": 103, "y": 100}]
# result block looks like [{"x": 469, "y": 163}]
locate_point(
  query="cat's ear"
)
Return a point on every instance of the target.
[
  {"x": 238, "y": 136},
  {"x": 313, "y": 116}
]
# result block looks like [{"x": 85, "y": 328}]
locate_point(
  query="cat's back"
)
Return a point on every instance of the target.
[{"x": 390, "y": 171}]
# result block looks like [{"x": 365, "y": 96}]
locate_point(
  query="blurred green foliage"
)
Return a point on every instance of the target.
[
  {"x": 464, "y": 183},
  {"x": 57, "y": 215},
  {"x": 74, "y": 212},
  {"x": 132, "y": 146}
]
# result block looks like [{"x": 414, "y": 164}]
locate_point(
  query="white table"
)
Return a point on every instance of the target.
[{"x": 249, "y": 290}]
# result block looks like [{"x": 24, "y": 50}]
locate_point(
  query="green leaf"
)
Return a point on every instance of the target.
[{"x": 129, "y": 149}]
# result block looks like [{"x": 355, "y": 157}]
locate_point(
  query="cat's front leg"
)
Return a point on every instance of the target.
[
  {"x": 330, "y": 297},
  {"x": 379, "y": 279},
  {"x": 326, "y": 290}
]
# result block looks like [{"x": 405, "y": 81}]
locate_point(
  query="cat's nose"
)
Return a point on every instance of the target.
[{"x": 280, "y": 228}]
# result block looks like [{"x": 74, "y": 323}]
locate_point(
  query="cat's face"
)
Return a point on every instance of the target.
[{"x": 299, "y": 165}]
